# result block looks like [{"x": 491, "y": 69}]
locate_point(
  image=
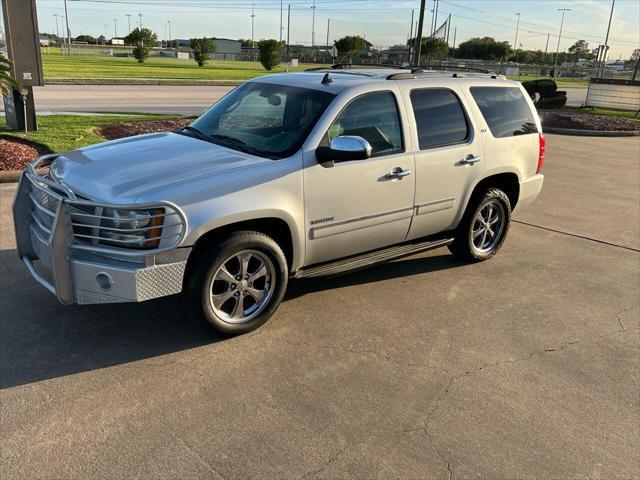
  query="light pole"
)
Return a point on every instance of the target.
[
  {"x": 563, "y": 10},
  {"x": 169, "y": 25},
  {"x": 546, "y": 47},
  {"x": 419, "y": 34},
  {"x": 68, "y": 35},
  {"x": 253, "y": 16},
  {"x": 140, "y": 17},
  {"x": 115, "y": 28},
  {"x": 280, "y": 22},
  {"x": 313, "y": 24},
  {"x": 129, "y": 22},
  {"x": 606, "y": 42},
  {"x": 515, "y": 42}
]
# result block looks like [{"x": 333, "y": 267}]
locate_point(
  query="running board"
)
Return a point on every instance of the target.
[{"x": 371, "y": 258}]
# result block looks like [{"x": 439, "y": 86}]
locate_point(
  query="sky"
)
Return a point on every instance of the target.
[{"x": 382, "y": 22}]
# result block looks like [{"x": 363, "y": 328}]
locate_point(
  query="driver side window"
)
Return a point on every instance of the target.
[{"x": 374, "y": 117}]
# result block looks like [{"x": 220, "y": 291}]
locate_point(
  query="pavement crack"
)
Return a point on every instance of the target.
[
  {"x": 619, "y": 320},
  {"x": 324, "y": 466},
  {"x": 381, "y": 355},
  {"x": 575, "y": 235}
]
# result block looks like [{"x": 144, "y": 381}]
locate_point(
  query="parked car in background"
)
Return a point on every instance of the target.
[{"x": 289, "y": 175}]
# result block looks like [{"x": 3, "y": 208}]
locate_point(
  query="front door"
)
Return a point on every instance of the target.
[{"x": 354, "y": 206}]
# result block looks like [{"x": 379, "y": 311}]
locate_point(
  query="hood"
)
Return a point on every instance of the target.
[{"x": 120, "y": 171}]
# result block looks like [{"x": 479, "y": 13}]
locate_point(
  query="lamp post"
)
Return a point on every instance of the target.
[
  {"x": 563, "y": 10},
  {"x": 129, "y": 22},
  {"x": 313, "y": 24},
  {"x": 515, "y": 42}
]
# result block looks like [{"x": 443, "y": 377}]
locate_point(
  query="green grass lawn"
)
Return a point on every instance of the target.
[
  {"x": 60, "y": 67},
  {"x": 61, "y": 133}
]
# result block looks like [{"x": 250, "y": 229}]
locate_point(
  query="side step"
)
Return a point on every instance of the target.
[{"x": 371, "y": 258}]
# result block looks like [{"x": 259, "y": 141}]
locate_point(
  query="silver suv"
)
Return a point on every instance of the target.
[{"x": 289, "y": 175}]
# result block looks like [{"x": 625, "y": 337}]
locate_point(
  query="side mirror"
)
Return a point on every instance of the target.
[{"x": 344, "y": 148}]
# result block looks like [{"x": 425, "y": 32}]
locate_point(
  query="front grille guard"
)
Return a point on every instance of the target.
[{"x": 51, "y": 208}]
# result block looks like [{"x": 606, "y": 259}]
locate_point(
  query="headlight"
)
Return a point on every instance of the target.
[{"x": 132, "y": 228}]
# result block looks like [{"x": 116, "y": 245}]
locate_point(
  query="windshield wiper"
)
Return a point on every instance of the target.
[
  {"x": 195, "y": 131},
  {"x": 227, "y": 138}
]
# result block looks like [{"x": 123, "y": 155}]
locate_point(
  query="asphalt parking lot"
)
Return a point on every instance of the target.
[{"x": 525, "y": 366}]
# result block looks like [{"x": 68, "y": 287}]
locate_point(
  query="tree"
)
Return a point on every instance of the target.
[
  {"x": 143, "y": 40},
  {"x": 7, "y": 82},
  {"x": 202, "y": 47},
  {"x": 85, "y": 39},
  {"x": 432, "y": 47},
  {"x": 580, "y": 49},
  {"x": 485, "y": 48},
  {"x": 245, "y": 43},
  {"x": 350, "y": 45},
  {"x": 270, "y": 53}
]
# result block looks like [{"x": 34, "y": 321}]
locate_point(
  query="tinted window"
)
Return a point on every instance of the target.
[
  {"x": 375, "y": 118},
  {"x": 440, "y": 119},
  {"x": 506, "y": 111},
  {"x": 263, "y": 119}
]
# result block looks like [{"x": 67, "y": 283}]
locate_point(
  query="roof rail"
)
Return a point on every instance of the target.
[
  {"x": 346, "y": 66},
  {"x": 446, "y": 66}
]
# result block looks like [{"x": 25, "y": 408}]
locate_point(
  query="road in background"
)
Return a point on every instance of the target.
[
  {"x": 524, "y": 366},
  {"x": 172, "y": 99}
]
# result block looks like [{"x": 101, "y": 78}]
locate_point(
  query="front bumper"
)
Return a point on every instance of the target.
[{"x": 77, "y": 272}]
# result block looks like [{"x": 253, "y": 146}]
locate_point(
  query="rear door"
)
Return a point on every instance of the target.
[{"x": 448, "y": 156}]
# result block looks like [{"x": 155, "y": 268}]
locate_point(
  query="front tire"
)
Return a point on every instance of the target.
[
  {"x": 238, "y": 282},
  {"x": 484, "y": 226}
]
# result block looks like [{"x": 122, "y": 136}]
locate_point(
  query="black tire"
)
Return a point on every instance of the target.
[
  {"x": 463, "y": 245},
  {"x": 199, "y": 285}
]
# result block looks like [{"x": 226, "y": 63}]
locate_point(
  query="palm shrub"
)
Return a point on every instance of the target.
[{"x": 6, "y": 80}]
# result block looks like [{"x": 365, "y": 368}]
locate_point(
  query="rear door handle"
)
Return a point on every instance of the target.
[
  {"x": 470, "y": 159},
  {"x": 398, "y": 173}
]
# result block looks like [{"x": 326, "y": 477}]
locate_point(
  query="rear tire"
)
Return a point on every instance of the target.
[
  {"x": 238, "y": 282},
  {"x": 484, "y": 226}
]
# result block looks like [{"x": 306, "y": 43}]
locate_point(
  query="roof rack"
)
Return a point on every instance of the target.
[{"x": 348, "y": 66}]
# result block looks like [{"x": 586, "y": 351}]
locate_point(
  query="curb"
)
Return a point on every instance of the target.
[
  {"x": 591, "y": 133},
  {"x": 12, "y": 176}
]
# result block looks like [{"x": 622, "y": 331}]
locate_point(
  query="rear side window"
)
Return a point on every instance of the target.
[
  {"x": 506, "y": 111},
  {"x": 440, "y": 119}
]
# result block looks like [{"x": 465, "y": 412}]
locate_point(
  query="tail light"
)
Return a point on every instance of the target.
[{"x": 540, "y": 152}]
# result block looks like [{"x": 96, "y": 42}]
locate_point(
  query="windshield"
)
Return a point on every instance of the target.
[{"x": 262, "y": 119}]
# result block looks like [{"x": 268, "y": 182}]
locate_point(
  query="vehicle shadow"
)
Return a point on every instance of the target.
[
  {"x": 41, "y": 339},
  {"x": 415, "y": 265}
]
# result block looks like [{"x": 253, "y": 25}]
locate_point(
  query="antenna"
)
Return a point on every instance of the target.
[{"x": 326, "y": 79}]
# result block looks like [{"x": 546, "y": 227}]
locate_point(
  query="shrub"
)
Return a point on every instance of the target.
[
  {"x": 270, "y": 53},
  {"x": 202, "y": 47}
]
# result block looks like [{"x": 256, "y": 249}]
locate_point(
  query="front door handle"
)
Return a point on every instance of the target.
[
  {"x": 470, "y": 159},
  {"x": 398, "y": 173}
]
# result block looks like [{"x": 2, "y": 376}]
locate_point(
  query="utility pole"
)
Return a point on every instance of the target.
[
  {"x": 288, "y": 26},
  {"x": 411, "y": 41},
  {"x": 280, "y": 22},
  {"x": 453, "y": 50},
  {"x": 515, "y": 42},
  {"x": 419, "y": 33},
  {"x": 129, "y": 22},
  {"x": 169, "y": 26},
  {"x": 58, "y": 35},
  {"x": 546, "y": 47},
  {"x": 328, "y": 24},
  {"x": 68, "y": 35},
  {"x": 115, "y": 27},
  {"x": 140, "y": 17},
  {"x": 563, "y": 10},
  {"x": 313, "y": 24},
  {"x": 106, "y": 33},
  {"x": 606, "y": 42},
  {"x": 253, "y": 16},
  {"x": 435, "y": 17}
]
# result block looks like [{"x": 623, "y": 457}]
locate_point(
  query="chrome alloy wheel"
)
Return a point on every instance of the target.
[
  {"x": 488, "y": 226},
  {"x": 242, "y": 286}
]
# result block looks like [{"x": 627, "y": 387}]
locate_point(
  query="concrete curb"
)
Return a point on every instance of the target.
[
  {"x": 12, "y": 176},
  {"x": 591, "y": 133}
]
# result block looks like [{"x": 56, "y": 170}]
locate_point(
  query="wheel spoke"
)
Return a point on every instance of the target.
[
  {"x": 244, "y": 263},
  {"x": 238, "y": 309},
  {"x": 219, "y": 299},
  {"x": 259, "y": 273},
  {"x": 225, "y": 276},
  {"x": 484, "y": 239},
  {"x": 495, "y": 219},
  {"x": 489, "y": 213},
  {"x": 476, "y": 233},
  {"x": 257, "y": 295}
]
